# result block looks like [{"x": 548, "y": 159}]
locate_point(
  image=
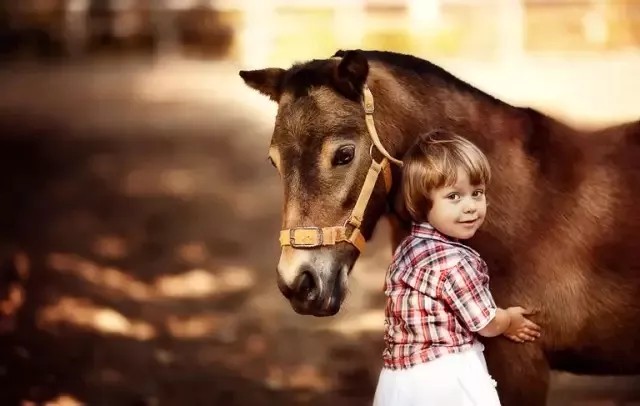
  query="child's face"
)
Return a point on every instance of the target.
[{"x": 459, "y": 210}]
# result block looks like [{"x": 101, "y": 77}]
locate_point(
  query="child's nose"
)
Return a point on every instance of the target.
[{"x": 470, "y": 207}]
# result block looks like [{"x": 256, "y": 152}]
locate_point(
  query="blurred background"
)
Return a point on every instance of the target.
[{"x": 139, "y": 217}]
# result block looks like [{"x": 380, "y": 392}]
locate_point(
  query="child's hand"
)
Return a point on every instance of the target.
[{"x": 521, "y": 329}]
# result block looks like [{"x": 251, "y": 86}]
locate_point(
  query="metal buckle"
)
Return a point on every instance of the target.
[{"x": 295, "y": 244}]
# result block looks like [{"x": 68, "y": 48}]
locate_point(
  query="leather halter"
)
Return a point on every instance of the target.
[{"x": 311, "y": 237}]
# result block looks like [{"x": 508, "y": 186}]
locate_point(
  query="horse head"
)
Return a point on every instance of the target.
[{"x": 335, "y": 170}]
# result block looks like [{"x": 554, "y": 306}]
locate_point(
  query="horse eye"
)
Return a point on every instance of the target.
[{"x": 343, "y": 156}]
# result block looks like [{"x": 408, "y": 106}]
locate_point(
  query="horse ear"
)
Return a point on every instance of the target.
[
  {"x": 339, "y": 53},
  {"x": 351, "y": 73},
  {"x": 267, "y": 81}
]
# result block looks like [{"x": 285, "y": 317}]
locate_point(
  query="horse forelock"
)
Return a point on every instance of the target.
[{"x": 302, "y": 77}]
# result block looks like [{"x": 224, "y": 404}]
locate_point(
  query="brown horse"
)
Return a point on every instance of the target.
[{"x": 562, "y": 234}]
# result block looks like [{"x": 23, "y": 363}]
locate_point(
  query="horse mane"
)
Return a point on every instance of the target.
[
  {"x": 303, "y": 76},
  {"x": 424, "y": 68}
]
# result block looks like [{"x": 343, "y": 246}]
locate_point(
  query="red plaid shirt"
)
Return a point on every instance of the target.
[{"x": 437, "y": 297}]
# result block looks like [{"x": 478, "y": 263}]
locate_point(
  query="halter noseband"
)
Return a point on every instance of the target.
[{"x": 310, "y": 237}]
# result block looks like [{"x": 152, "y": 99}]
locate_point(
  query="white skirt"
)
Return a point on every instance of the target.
[{"x": 459, "y": 379}]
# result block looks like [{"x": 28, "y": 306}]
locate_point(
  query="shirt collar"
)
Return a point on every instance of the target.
[{"x": 427, "y": 231}]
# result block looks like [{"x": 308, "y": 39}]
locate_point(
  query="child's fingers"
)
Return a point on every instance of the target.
[
  {"x": 527, "y": 334},
  {"x": 532, "y": 332},
  {"x": 526, "y": 337},
  {"x": 515, "y": 338},
  {"x": 528, "y": 323},
  {"x": 533, "y": 326}
]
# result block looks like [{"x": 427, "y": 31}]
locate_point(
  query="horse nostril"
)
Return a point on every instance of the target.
[{"x": 306, "y": 288}]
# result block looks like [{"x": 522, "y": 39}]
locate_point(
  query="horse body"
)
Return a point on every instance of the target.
[{"x": 561, "y": 234}]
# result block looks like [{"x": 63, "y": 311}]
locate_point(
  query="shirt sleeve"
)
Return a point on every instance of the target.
[{"x": 466, "y": 290}]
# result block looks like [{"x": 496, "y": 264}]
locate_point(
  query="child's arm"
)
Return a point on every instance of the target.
[
  {"x": 512, "y": 323},
  {"x": 465, "y": 289}
]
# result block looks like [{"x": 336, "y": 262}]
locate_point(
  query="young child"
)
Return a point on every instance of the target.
[{"x": 437, "y": 289}]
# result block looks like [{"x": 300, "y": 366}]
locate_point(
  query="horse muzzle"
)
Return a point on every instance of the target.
[{"x": 316, "y": 293}]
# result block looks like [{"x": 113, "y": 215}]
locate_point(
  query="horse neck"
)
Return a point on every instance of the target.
[
  {"x": 499, "y": 129},
  {"x": 408, "y": 112}
]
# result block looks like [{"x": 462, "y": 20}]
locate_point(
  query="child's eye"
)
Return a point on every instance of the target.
[
  {"x": 453, "y": 196},
  {"x": 478, "y": 193}
]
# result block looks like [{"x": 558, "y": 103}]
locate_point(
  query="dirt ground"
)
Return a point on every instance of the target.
[{"x": 138, "y": 224}]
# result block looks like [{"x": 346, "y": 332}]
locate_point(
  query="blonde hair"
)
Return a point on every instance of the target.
[{"x": 433, "y": 162}]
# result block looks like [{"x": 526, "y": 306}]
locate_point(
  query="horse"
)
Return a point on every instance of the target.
[{"x": 561, "y": 235}]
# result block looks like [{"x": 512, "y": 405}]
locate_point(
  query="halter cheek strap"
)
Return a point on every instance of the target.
[
  {"x": 311, "y": 237},
  {"x": 369, "y": 107}
]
